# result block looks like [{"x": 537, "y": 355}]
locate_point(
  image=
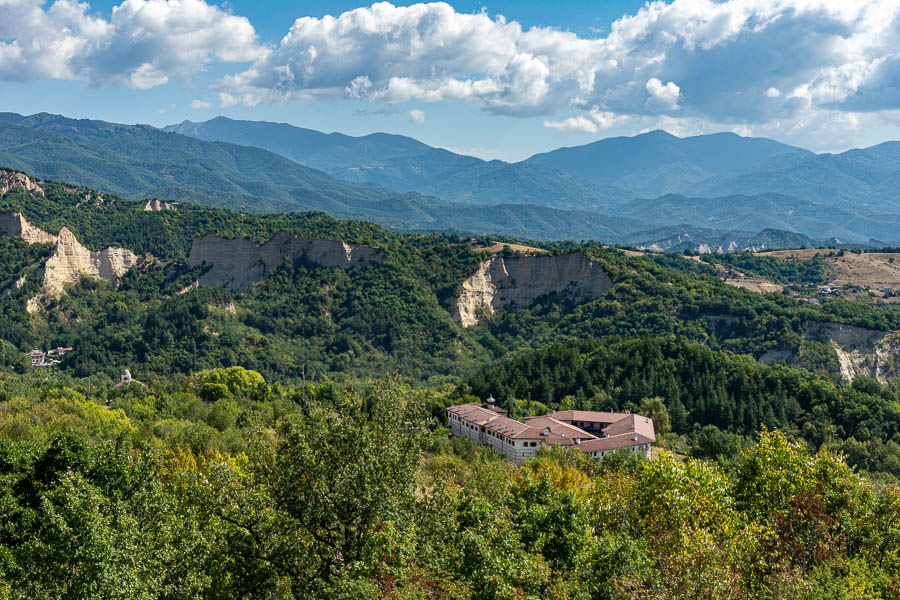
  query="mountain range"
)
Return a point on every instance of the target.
[
  {"x": 644, "y": 190},
  {"x": 721, "y": 181}
]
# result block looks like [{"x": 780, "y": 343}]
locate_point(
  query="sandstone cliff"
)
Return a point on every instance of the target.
[
  {"x": 15, "y": 225},
  {"x": 156, "y": 205},
  {"x": 70, "y": 260},
  {"x": 860, "y": 351},
  {"x": 239, "y": 262},
  {"x": 511, "y": 282},
  {"x": 14, "y": 179}
]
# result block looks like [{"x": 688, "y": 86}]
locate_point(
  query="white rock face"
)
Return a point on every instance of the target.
[
  {"x": 71, "y": 260},
  {"x": 860, "y": 351},
  {"x": 15, "y": 225},
  {"x": 13, "y": 179},
  {"x": 156, "y": 205},
  {"x": 239, "y": 262},
  {"x": 511, "y": 282}
]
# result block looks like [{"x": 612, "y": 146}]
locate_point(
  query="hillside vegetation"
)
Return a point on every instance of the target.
[
  {"x": 363, "y": 321},
  {"x": 139, "y": 161},
  {"x": 288, "y": 441},
  {"x": 223, "y": 486}
]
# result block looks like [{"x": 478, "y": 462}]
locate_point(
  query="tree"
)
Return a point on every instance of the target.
[
  {"x": 655, "y": 409},
  {"x": 318, "y": 507}
]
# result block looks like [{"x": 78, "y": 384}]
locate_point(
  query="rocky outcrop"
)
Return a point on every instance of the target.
[
  {"x": 511, "y": 282},
  {"x": 70, "y": 260},
  {"x": 14, "y": 179},
  {"x": 237, "y": 263},
  {"x": 15, "y": 225},
  {"x": 860, "y": 351},
  {"x": 157, "y": 205}
]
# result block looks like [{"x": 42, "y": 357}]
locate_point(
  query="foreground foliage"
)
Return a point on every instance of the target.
[{"x": 321, "y": 492}]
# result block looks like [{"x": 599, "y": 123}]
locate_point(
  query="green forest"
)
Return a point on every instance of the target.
[
  {"x": 220, "y": 485},
  {"x": 289, "y": 441},
  {"x": 327, "y": 322}
]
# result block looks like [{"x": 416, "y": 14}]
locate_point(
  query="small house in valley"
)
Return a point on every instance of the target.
[{"x": 593, "y": 432}]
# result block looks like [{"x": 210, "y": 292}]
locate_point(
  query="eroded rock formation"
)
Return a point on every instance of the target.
[
  {"x": 14, "y": 179},
  {"x": 860, "y": 351},
  {"x": 70, "y": 260},
  {"x": 157, "y": 205},
  {"x": 15, "y": 225},
  {"x": 239, "y": 262},
  {"x": 510, "y": 282}
]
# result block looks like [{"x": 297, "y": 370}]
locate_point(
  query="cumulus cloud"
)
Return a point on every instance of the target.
[
  {"x": 579, "y": 124},
  {"x": 595, "y": 120},
  {"x": 201, "y": 105},
  {"x": 663, "y": 98},
  {"x": 417, "y": 116},
  {"x": 143, "y": 44},
  {"x": 717, "y": 59}
]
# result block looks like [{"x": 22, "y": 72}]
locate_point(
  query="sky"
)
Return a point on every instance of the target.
[{"x": 502, "y": 79}]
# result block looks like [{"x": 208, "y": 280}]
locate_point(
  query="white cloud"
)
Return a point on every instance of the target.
[
  {"x": 722, "y": 60},
  {"x": 663, "y": 98},
  {"x": 606, "y": 119},
  {"x": 417, "y": 116},
  {"x": 783, "y": 66},
  {"x": 595, "y": 120},
  {"x": 579, "y": 124},
  {"x": 201, "y": 104},
  {"x": 143, "y": 44}
]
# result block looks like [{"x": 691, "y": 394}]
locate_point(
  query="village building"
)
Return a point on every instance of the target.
[
  {"x": 39, "y": 358},
  {"x": 593, "y": 432}
]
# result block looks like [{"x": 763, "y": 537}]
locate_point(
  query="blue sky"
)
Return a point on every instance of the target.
[{"x": 823, "y": 74}]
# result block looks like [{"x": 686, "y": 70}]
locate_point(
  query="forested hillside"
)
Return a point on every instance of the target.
[
  {"x": 221, "y": 485},
  {"x": 391, "y": 316},
  {"x": 326, "y": 472},
  {"x": 716, "y": 398},
  {"x": 139, "y": 161}
]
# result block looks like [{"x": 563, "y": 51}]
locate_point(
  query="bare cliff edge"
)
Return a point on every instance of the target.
[
  {"x": 14, "y": 179},
  {"x": 239, "y": 262},
  {"x": 13, "y": 224},
  {"x": 509, "y": 282},
  {"x": 70, "y": 260}
]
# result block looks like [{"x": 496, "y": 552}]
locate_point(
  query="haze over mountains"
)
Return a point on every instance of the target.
[
  {"x": 719, "y": 192},
  {"x": 721, "y": 181}
]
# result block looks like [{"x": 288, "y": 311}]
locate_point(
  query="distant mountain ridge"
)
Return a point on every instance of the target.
[
  {"x": 479, "y": 197},
  {"x": 719, "y": 181},
  {"x": 641, "y": 162},
  {"x": 408, "y": 165},
  {"x": 140, "y": 161}
]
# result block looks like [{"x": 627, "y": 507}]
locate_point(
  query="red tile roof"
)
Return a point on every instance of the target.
[
  {"x": 624, "y": 429},
  {"x": 558, "y": 427},
  {"x": 586, "y": 416},
  {"x": 631, "y": 424},
  {"x": 612, "y": 443}
]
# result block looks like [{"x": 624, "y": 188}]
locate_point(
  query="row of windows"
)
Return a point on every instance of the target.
[{"x": 492, "y": 433}]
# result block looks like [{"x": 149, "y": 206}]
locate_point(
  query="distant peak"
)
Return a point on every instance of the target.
[{"x": 657, "y": 133}]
